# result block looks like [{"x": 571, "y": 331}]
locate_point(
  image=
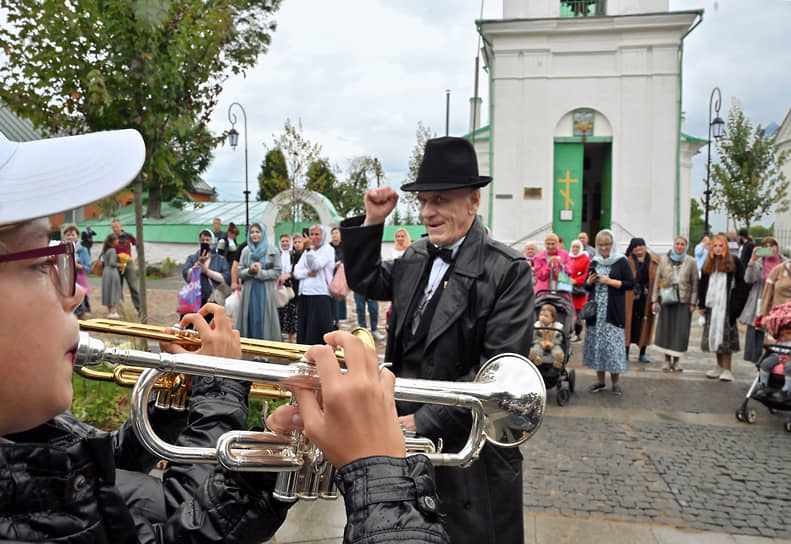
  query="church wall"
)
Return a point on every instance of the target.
[
  {"x": 535, "y": 9},
  {"x": 540, "y": 78}
]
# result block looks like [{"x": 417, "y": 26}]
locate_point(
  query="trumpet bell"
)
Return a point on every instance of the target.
[{"x": 515, "y": 402}]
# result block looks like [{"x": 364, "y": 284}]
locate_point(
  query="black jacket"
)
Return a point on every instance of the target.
[
  {"x": 68, "y": 481},
  {"x": 486, "y": 309},
  {"x": 616, "y": 297}
]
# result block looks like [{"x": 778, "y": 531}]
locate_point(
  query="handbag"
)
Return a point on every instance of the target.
[
  {"x": 283, "y": 295},
  {"x": 669, "y": 295},
  {"x": 578, "y": 291},
  {"x": 190, "y": 294},
  {"x": 339, "y": 289},
  {"x": 588, "y": 310},
  {"x": 97, "y": 267},
  {"x": 564, "y": 283}
]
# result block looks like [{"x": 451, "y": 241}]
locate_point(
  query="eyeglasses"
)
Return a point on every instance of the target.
[{"x": 63, "y": 270}]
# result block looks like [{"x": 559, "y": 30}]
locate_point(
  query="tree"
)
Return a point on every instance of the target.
[
  {"x": 157, "y": 66},
  {"x": 422, "y": 135},
  {"x": 153, "y": 65},
  {"x": 696, "y": 224},
  {"x": 273, "y": 178},
  {"x": 299, "y": 153},
  {"x": 747, "y": 182}
]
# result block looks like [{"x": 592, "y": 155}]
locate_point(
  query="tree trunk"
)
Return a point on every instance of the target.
[
  {"x": 141, "y": 248},
  {"x": 154, "y": 210}
]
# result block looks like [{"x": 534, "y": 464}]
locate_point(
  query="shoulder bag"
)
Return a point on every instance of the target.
[
  {"x": 283, "y": 295},
  {"x": 588, "y": 310},
  {"x": 97, "y": 267},
  {"x": 338, "y": 287},
  {"x": 670, "y": 295}
]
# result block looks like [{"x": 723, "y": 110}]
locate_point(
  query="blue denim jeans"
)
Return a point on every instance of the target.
[{"x": 373, "y": 311}]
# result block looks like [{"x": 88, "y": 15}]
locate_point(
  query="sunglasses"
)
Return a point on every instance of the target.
[{"x": 63, "y": 270}]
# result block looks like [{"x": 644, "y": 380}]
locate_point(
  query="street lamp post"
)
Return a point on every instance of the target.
[
  {"x": 233, "y": 139},
  {"x": 716, "y": 127}
]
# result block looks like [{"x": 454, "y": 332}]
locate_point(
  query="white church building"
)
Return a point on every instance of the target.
[{"x": 585, "y": 121}]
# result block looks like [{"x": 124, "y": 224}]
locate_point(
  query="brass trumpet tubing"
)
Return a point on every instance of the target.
[{"x": 507, "y": 400}]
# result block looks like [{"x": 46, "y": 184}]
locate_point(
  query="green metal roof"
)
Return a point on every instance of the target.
[
  {"x": 693, "y": 139},
  {"x": 180, "y": 225},
  {"x": 16, "y": 128}
]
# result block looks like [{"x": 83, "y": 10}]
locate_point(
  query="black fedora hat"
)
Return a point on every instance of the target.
[{"x": 448, "y": 163}]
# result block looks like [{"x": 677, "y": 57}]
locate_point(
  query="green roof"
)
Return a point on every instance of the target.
[
  {"x": 180, "y": 225},
  {"x": 687, "y": 138}
]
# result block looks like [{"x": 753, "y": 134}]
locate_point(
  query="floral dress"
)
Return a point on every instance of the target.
[{"x": 603, "y": 348}]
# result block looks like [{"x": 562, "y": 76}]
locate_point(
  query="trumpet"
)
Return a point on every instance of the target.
[
  {"x": 506, "y": 400},
  {"x": 172, "y": 389}
]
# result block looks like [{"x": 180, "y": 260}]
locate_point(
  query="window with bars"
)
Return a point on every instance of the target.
[{"x": 582, "y": 8}]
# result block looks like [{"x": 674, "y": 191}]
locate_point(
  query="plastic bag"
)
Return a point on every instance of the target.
[
  {"x": 339, "y": 289},
  {"x": 233, "y": 302},
  {"x": 190, "y": 294}
]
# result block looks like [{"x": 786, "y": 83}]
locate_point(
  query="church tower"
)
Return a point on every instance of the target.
[{"x": 585, "y": 120}]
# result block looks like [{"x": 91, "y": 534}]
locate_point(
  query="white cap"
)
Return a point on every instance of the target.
[{"x": 44, "y": 177}]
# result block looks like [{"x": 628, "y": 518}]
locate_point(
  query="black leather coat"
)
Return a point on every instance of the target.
[
  {"x": 486, "y": 308},
  {"x": 70, "y": 482}
]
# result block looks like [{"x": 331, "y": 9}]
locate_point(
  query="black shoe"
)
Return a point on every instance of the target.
[
  {"x": 597, "y": 387},
  {"x": 616, "y": 390}
]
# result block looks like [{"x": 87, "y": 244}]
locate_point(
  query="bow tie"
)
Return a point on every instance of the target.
[{"x": 443, "y": 253}]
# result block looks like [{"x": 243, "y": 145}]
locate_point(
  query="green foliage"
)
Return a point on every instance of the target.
[
  {"x": 747, "y": 182},
  {"x": 299, "y": 153},
  {"x": 321, "y": 178},
  {"x": 696, "y": 225},
  {"x": 101, "y": 404},
  {"x": 759, "y": 231},
  {"x": 154, "y": 65},
  {"x": 273, "y": 178},
  {"x": 422, "y": 135}
]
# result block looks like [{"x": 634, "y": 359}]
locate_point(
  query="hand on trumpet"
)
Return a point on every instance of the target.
[
  {"x": 218, "y": 338},
  {"x": 356, "y": 417}
]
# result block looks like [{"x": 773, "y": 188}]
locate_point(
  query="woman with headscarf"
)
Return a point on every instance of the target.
[
  {"x": 609, "y": 278},
  {"x": 639, "y": 317},
  {"x": 548, "y": 264},
  {"x": 675, "y": 317},
  {"x": 722, "y": 294},
  {"x": 259, "y": 268},
  {"x": 755, "y": 275},
  {"x": 288, "y": 258},
  {"x": 402, "y": 241},
  {"x": 314, "y": 306},
  {"x": 580, "y": 261}
]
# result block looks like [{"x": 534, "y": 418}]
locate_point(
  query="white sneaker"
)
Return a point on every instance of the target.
[
  {"x": 726, "y": 376},
  {"x": 113, "y": 315},
  {"x": 714, "y": 373},
  {"x": 378, "y": 335}
]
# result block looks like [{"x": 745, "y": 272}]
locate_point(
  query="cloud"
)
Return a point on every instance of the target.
[{"x": 360, "y": 74}]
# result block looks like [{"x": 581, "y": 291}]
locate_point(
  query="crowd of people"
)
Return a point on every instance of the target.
[
  {"x": 643, "y": 298},
  {"x": 458, "y": 297}
]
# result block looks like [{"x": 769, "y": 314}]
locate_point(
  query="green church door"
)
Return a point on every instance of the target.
[
  {"x": 582, "y": 188},
  {"x": 567, "y": 193}
]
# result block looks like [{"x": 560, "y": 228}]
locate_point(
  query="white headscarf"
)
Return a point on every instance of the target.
[
  {"x": 285, "y": 258},
  {"x": 580, "y": 250},
  {"x": 614, "y": 255}
]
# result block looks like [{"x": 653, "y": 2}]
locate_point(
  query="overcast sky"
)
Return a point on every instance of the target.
[{"x": 361, "y": 74}]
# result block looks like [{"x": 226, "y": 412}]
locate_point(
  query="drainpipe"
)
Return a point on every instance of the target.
[
  {"x": 489, "y": 60},
  {"x": 680, "y": 114}
]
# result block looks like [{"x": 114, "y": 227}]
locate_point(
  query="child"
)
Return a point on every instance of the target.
[
  {"x": 83, "y": 264},
  {"x": 778, "y": 324},
  {"x": 65, "y": 480},
  {"x": 547, "y": 342}
]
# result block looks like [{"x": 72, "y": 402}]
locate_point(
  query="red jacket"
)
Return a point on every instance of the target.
[{"x": 579, "y": 271}]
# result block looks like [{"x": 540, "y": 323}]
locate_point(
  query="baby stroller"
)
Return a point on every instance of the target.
[
  {"x": 777, "y": 323},
  {"x": 552, "y": 375},
  {"x": 775, "y": 383}
]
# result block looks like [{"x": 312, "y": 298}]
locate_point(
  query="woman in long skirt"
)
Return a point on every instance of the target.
[
  {"x": 673, "y": 324},
  {"x": 609, "y": 277},
  {"x": 112, "y": 290},
  {"x": 259, "y": 268}
]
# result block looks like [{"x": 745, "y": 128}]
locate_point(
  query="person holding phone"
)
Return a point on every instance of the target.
[
  {"x": 760, "y": 264},
  {"x": 214, "y": 267}
]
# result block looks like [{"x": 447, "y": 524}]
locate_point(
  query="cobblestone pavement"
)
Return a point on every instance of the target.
[{"x": 659, "y": 464}]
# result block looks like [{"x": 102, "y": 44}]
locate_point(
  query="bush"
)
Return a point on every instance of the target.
[
  {"x": 162, "y": 270},
  {"x": 102, "y": 404}
]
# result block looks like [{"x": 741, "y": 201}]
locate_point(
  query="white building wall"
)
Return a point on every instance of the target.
[
  {"x": 536, "y": 9},
  {"x": 624, "y": 68}
]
